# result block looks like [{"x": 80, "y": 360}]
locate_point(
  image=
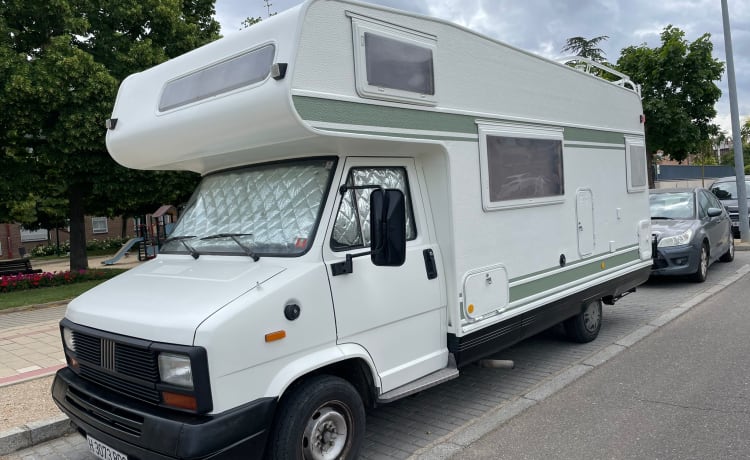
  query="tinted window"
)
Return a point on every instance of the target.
[
  {"x": 521, "y": 168},
  {"x": 727, "y": 190},
  {"x": 638, "y": 166},
  {"x": 237, "y": 72},
  {"x": 398, "y": 65}
]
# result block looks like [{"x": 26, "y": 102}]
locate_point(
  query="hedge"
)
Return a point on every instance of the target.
[{"x": 11, "y": 283}]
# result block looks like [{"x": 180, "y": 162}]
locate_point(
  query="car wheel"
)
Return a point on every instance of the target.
[
  {"x": 585, "y": 326},
  {"x": 321, "y": 419},
  {"x": 729, "y": 255},
  {"x": 700, "y": 274}
]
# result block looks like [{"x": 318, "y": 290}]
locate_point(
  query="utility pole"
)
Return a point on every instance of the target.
[{"x": 739, "y": 163}]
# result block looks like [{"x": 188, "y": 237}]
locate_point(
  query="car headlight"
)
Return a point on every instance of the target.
[
  {"x": 676, "y": 240},
  {"x": 176, "y": 370},
  {"x": 68, "y": 339}
]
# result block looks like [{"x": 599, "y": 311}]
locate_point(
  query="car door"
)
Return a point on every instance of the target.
[
  {"x": 723, "y": 225},
  {"x": 713, "y": 226},
  {"x": 396, "y": 313}
]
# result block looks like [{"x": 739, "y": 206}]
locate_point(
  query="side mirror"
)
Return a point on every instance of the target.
[
  {"x": 713, "y": 212},
  {"x": 387, "y": 227}
]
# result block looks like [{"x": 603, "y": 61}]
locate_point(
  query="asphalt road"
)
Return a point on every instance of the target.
[{"x": 681, "y": 393}]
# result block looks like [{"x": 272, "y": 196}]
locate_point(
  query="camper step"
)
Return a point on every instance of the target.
[{"x": 436, "y": 378}]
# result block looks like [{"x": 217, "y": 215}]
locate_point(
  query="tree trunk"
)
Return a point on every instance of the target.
[{"x": 78, "y": 259}]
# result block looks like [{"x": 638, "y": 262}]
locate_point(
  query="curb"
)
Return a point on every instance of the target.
[
  {"x": 460, "y": 439},
  {"x": 34, "y": 433}
]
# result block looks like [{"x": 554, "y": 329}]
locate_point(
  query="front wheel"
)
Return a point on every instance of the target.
[
  {"x": 321, "y": 419},
  {"x": 585, "y": 326},
  {"x": 729, "y": 255},
  {"x": 700, "y": 274}
]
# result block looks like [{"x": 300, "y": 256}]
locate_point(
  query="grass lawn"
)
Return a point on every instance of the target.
[{"x": 45, "y": 294}]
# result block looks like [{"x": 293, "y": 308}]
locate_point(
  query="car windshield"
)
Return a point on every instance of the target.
[
  {"x": 727, "y": 190},
  {"x": 676, "y": 205},
  {"x": 264, "y": 210}
]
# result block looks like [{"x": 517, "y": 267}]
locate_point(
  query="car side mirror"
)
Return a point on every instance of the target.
[
  {"x": 713, "y": 212},
  {"x": 387, "y": 227}
]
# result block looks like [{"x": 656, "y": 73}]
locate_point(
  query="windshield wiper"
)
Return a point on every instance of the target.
[
  {"x": 182, "y": 239},
  {"x": 249, "y": 252}
]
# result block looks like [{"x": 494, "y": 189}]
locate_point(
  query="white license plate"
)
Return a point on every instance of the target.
[{"x": 103, "y": 451}]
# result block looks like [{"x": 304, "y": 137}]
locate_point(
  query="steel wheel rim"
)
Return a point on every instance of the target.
[
  {"x": 326, "y": 432},
  {"x": 704, "y": 262},
  {"x": 592, "y": 317}
]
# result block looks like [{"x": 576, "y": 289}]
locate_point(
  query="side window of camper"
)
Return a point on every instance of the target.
[
  {"x": 352, "y": 227},
  {"x": 521, "y": 166},
  {"x": 393, "y": 63},
  {"x": 635, "y": 151}
]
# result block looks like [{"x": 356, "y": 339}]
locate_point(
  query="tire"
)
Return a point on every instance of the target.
[
  {"x": 585, "y": 326},
  {"x": 700, "y": 274},
  {"x": 322, "y": 418},
  {"x": 729, "y": 255}
]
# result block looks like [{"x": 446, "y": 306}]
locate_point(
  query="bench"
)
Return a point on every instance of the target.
[{"x": 17, "y": 266}]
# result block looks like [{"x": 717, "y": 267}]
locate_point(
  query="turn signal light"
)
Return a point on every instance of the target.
[
  {"x": 273, "y": 336},
  {"x": 179, "y": 401}
]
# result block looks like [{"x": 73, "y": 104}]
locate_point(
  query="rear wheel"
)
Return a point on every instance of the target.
[
  {"x": 729, "y": 255},
  {"x": 585, "y": 326},
  {"x": 321, "y": 419},
  {"x": 700, "y": 274}
]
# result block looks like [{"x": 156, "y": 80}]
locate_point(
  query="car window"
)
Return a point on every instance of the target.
[
  {"x": 674, "y": 205},
  {"x": 703, "y": 204},
  {"x": 714, "y": 202},
  {"x": 727, "y": 190}
]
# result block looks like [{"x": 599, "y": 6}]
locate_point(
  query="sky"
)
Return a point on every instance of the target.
[{"x": 542, "y": 27}]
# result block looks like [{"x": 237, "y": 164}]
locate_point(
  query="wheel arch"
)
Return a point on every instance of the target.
[{"x": 349, "y": 362}]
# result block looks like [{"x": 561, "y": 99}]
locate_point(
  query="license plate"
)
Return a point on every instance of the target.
[{"x": 103, "y": 451}]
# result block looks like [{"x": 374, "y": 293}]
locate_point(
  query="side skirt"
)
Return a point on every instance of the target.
[{"x": 490, "y": 340}]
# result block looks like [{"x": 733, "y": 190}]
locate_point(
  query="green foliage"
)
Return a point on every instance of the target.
[
  {"x": 61, "y": 62},
  {"x": 588, "y": 48},
  {"x": 678, "y": 81}
]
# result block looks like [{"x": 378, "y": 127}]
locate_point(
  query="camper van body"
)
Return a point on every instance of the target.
[{"x": 525, "y": 206}]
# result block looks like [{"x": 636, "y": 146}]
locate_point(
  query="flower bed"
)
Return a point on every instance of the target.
[{"x": 12, "y": 283}]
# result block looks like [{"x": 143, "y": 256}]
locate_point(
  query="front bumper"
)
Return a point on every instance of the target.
[
  {"x": 676, "y": 260},
  {"x": 143, "y": 431}
]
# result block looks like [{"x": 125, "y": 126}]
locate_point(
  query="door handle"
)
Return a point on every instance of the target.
[{"x": 429, "y": 264}]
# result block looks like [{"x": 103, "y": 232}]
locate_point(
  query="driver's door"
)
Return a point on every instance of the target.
[{"x": 396, "y": 313}]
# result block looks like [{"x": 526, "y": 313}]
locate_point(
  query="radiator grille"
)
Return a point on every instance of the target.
[{"x": 121, "y": 367}]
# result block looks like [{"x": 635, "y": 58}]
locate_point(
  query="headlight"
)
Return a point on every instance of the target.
[
  {"x": 68, "y": 339},
  {"x": 676, "y": 240},
  {"x": 176, "y": 369}
]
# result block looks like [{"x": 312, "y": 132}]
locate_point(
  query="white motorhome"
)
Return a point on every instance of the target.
[{"x": 385, "y": 199}]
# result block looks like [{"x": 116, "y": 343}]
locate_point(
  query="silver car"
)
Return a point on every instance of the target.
[{"x": 691, "y": 230}]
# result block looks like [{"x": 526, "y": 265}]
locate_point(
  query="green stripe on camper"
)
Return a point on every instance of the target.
[
  {"x": 401, "y": 134},
  {"x": 561, "y": 278},
  {"x": 592, "y": 135},
  {"x": 597, "y": 146},
  {"x": 351, "y": 114}
]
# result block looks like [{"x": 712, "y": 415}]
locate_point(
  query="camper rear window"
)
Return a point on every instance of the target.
[
  {"x": 243, "y": 70},
  {"x": 636, "y": 164},
  {"x": 521, "y": 166},
  {"x": 399, "y": 65}
]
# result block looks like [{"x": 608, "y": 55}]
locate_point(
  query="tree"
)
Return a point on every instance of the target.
[
  {"x": 62, "y": 61},
  {"x": 679, "y": 90},
  {"x": 588, "y": 48}
]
